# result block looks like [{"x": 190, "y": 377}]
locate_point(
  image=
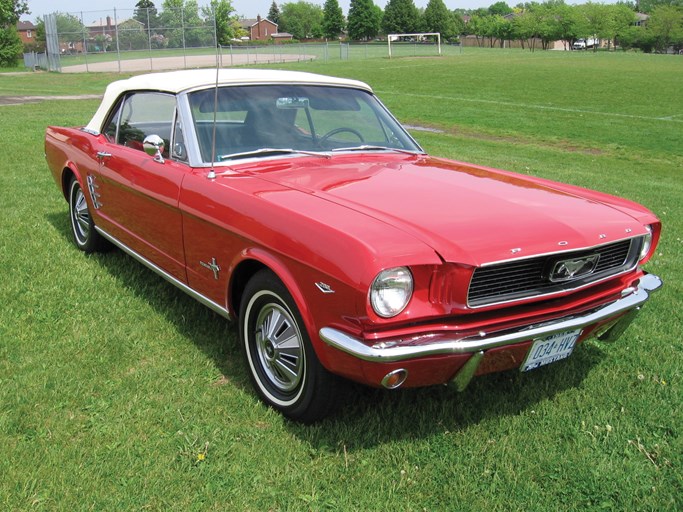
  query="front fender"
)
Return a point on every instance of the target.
[{"x": 320, "y": 299}]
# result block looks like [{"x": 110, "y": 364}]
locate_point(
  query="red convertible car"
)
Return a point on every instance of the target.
[{"x": 296, "y": 204}]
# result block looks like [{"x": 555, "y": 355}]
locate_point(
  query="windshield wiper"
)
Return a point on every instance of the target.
[
  {"x": 271, "y": 151},
  {"x": 370, "y": 147}
]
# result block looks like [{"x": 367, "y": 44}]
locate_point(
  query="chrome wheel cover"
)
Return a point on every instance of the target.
[
  {"x": 80, "y": 216},
  {"x": 279, "y": 348}
]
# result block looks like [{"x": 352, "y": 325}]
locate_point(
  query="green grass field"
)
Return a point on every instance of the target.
[{"x": 118, "y": 392}]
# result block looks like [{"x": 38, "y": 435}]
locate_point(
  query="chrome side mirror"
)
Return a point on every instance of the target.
[{"x": 154, "y": 146}]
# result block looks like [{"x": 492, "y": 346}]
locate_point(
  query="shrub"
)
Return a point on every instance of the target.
[{"x": 10, "y": 47}]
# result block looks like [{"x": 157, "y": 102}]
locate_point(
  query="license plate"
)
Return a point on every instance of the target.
[{"x": 550, "y": 349}]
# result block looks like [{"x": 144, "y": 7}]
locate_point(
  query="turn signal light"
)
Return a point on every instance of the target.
[{"x": 394, "y": 379}]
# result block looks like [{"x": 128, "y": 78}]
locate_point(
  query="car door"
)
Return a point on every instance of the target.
[{"x": 137, "y": 193}]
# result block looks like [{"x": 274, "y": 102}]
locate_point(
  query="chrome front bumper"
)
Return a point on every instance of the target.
[{"x": 386, "y": 352}]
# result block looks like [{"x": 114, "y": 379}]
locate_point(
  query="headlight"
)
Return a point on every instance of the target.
[
  {"x": 647, "y": 243},
  {"x": 391, "y": 291}
]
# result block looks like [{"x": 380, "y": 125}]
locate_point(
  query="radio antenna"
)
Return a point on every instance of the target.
[{"x": 212, "y": 171}]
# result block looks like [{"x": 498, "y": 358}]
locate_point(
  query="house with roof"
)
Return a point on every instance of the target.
[
  {"x": 108, "y": 27},
  {"x": 641, "y": 19},
  {"x": 259, "y": 29},
  {"x": 27, "y": 32}
]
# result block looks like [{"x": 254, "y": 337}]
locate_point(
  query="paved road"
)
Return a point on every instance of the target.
[
  {"x": 20, "y": 100},
  {"x": 190, "y": 61}
]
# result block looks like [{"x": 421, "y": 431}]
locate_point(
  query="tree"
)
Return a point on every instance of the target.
[
  {"x": 333, "y": 19},
  {"x": 221, "y": 13},
  {"x": 11, "y": 11},
  {"x": 475, "y": 27},
  {"x": 437, "y": 18},
  {"x": 631, "y": 38},
  {"x": 364, "y": 20},
  {"x": 146, "y": 13},
  {"x": 303, "y": 20},
  {"x": 595, "y": 20},
  {"x": 10, "y": 43},
  {"x": 621, "y": 19},
  {"x": 648, "y": 6},
  {"x": 182, "y": 26},
  {"x": 501, "y": 29},
  {"x": 10, "y": 46},
  {"x": 132, "y": 36},
  {"x": 665, "y": 28},
  {"x": 401, "y": 17},
  {"x": 569, "y": 24},
  {"x": 378, "y": 13},
  {"x": 69, "y": 29},
  {"x": 549, "y": 28},
  {"x": 500, "y": 8},
  {"x": 496, "y": 29},
  {"x": 458, "y": 22},
  {"x": 526, "y": 27},
  {"x": 274, "y": 13}
]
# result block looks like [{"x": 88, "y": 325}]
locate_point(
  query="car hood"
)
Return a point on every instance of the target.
[{"x": 467, "y": 214}]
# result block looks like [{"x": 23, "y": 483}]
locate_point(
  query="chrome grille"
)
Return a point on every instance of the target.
[{"x": 504, "y": 282}]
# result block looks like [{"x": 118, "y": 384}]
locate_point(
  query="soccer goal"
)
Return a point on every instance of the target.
[{"x": 415, "y": 42}]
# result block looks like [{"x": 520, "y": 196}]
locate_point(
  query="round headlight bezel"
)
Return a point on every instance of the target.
[
  {"x": 647, "y": 243},
  {"x": 391, "y": 291}
]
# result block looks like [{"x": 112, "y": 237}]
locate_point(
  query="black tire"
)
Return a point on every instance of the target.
[
  {"x": 86, "y": 238},
  {"x": 282, "y": 364}
]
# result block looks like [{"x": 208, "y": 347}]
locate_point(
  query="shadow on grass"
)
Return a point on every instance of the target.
[
  {"x": 367, "y": 417},
  {"x": 210, "y": 332},
  {"x": 376, "y": 416}
]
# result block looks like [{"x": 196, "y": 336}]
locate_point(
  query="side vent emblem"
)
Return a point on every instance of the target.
[
  {"x": 323, "y": 287},
  {"x": 92, "y": 188},
  {"x": 213, "y": 267}
]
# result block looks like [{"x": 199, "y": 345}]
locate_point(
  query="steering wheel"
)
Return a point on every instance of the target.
[{"x": 341, "y": 129}]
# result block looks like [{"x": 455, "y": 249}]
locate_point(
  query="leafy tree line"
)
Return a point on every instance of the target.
[
  {"x": 365, "y": 19},
  {"x": 181, "y": 23},
  {"x": 553, "y": 20},
  {"x": 528, "y": 22}
]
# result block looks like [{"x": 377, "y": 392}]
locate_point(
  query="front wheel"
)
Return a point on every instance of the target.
[
  {"x": 85, "y": 236},
  {"x": 282, "y": 363}
]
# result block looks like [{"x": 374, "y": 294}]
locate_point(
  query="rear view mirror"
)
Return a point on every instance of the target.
[
  {"x": 154, "y": 146},
  {"x": 292, "y": 103}
]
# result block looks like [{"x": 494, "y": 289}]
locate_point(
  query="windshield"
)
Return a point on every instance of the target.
[{"x": 302, "y": 118}]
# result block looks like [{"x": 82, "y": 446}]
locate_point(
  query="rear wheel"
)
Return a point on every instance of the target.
[
  {"x": 85, "y": 236},
  {"x": 282, "y": 363}
]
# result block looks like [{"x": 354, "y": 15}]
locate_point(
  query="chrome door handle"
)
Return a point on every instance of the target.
[{"x": 103, "y": 154}]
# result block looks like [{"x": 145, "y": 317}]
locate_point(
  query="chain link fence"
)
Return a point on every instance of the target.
[{"x": 136, "y": 40}]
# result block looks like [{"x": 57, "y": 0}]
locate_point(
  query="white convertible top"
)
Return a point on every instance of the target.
[{"x": 178, "y": 81}]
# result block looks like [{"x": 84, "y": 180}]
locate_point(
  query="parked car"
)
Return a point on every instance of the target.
[
  {"x": 297, "y": 205},
  {"x": 584, "y": 44}
]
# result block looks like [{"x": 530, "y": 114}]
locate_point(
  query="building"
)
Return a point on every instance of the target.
[
  {"x": 279, "y": 37},
  {"x": 106, "y": 26},
  {"x": 27, "y": 32},
  {"x": 641, "y": 19},
  {"x": 259, "y": 29}
]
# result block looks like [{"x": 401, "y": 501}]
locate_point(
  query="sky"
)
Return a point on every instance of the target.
[{"x": 244, "y": 8}]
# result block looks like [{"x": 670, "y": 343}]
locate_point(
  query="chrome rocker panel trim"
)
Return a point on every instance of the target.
[
  {"x": 383, "y": 352},
  {"x": 158, "y": 270}
]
